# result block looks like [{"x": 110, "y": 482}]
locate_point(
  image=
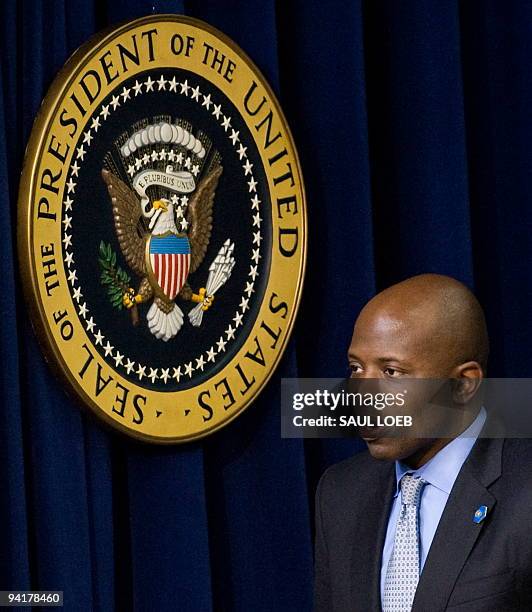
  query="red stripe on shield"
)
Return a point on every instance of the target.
[
  {"x": 170, "y": 271},
  {"x": 173, "y": 282}
]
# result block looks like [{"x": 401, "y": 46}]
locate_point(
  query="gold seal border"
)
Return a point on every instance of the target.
[{"x": 39, "y": 136}]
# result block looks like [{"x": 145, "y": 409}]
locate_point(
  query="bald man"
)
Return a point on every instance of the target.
[{"x": 426, "y": 524}]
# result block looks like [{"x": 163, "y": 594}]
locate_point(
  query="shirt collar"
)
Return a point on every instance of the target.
[{"x": 441, "y": 471}]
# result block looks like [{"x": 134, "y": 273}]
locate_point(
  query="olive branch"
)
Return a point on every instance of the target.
[{"x": 113, "y": 277}]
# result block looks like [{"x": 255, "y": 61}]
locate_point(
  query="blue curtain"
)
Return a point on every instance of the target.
[{"x": 413, "y": 121}]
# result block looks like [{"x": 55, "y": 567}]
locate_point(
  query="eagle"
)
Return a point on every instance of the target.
[{"x": 138, "y": 228}]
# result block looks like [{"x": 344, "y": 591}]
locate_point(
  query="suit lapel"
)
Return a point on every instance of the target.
[
  {"x": 457, "y": 533},
  {"x": 366, "y": 571}
]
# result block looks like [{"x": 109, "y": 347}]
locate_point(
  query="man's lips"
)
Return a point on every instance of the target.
[{"x": 369, "y": 434}]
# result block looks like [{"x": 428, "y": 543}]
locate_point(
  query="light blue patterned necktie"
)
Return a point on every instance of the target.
[{"x": 402, "y": 573}]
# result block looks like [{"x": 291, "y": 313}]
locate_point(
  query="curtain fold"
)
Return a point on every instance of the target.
[
  {"x": 419, "y": 165},
  {"x": 412, "y": 122},
  {"x": 14, "y": 560}
]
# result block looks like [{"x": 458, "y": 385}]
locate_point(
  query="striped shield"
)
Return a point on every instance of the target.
[{"x": 169, "y": 261}]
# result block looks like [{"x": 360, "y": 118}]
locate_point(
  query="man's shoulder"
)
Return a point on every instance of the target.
[
  {"x": 517, "y": 458},
  {"x": 354, "y": 474},
  {"x": 359, "y": 460}
]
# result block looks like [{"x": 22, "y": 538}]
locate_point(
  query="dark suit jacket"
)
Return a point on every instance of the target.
[{"x": 470, "y": 567}]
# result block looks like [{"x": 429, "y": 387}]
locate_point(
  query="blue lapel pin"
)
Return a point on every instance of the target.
[{"x": 480, "y": 514}]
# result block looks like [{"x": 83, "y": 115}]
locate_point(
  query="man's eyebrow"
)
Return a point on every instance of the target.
[
  {"x": 393, "y": 359},
  {"x": 383, "y": 360}
]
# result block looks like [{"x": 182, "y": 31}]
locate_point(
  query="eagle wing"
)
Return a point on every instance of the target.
[
  {"x": 199, "y": 216},
  {"x": 129, "y": 226}
]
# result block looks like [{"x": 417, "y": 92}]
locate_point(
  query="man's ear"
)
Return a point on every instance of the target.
[{"x": 467, "y": 378}]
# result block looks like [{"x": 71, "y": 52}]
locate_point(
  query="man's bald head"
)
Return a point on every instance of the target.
[
  {"x": 430, "y": 316},
  {"x": 428, "y": 327}
]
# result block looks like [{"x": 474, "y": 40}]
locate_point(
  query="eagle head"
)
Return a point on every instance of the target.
[{"x": 161, "y": 204}]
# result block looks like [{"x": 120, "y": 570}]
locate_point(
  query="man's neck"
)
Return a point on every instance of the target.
[{"x": 425, "y": 454}]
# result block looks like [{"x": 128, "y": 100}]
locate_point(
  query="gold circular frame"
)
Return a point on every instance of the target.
[{"x": 289, "y": 278}]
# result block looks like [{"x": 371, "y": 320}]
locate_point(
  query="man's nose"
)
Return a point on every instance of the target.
[{"x": 366, "y": 382}]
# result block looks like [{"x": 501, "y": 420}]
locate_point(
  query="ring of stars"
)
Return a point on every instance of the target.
[{"x": 185, "y": 370}]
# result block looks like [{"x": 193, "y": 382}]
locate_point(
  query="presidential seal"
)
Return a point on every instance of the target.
[{"x": 162, "y": 228}]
